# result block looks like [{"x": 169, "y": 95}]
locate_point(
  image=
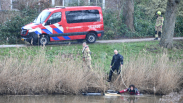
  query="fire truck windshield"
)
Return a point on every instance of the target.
[{"x": 42, "y": 17}]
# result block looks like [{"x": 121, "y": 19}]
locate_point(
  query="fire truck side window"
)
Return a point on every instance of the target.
[
  {"x": 82, "y": 16},
  {"x": 91, "y": 16},
  {"x": 74, "y": 16},
  {"x": 54, "y": 18}
]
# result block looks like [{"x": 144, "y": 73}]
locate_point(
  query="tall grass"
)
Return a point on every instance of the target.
[{"x": 65, "y": 74}]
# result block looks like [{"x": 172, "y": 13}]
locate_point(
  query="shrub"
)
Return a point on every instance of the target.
[
  {"x": 115, "y": 28},
  {"x": 113, "y": 25},
  {"x": 179, "y": 26},
  {"x": 144, "y": 24},
  {"x": 10, "y": 30}
]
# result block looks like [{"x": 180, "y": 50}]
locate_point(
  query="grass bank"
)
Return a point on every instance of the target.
[{"x": 58, "y": 69}]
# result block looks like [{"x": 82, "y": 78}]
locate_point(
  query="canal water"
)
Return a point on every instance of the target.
[{"x": 79, "y": 99}]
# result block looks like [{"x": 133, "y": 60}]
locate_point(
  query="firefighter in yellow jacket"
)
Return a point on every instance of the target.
[
  {"x": 86, "y": 55},
  {"x": 159, "y": 24}
]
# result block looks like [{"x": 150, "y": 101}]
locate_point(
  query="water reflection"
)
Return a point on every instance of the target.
[{"x": 78, "y": 99}]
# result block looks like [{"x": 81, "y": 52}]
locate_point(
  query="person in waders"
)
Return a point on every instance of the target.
[
  {"x": 86, "y": 56},
  {"x": 132, "y": 90},
  {"x": 117, "y": 61},
  {"x": 158, "y": 25}
]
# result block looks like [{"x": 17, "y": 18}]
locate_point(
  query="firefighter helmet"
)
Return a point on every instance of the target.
[{"x": 159, "y": 12}]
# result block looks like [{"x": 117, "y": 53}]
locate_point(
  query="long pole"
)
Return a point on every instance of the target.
[{"x": 122, "y": 77}]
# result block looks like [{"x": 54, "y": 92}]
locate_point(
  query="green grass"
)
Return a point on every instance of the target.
[{"x": 101, "y": 53}]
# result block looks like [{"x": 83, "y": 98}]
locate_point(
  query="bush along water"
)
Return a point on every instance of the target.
[
  {"x": 37, "y": 75},
  {"x": 65, "y": 74},
  {"x": 151, "y": 74}
]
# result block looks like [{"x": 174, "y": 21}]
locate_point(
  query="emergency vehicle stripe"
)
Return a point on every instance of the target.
[
  {"x": 66, "y": 37},
  {"x": 37, "y": 32},
  {"x": 55, "y": 38},
  {"x": 57, "y": 30},
  {"x": 47, "y": 31}
]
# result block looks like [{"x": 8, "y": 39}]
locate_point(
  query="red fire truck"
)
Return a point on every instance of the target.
[{"x": 65, "y": 23}]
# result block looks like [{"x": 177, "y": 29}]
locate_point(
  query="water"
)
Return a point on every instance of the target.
[{"x": 79, "y": 99}]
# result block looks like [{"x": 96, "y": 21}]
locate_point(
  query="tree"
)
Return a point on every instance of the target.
[
  {"x": 152, "y": 6},
  {"x": 169, "y": 25},
  {"x": 128, "y": 11}
]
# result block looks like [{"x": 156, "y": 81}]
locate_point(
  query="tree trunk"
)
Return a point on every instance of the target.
[
  {"x": 169, "y": 25},
  {"x": 0, "y": 4},
  {"x": 128, "y": 11}
]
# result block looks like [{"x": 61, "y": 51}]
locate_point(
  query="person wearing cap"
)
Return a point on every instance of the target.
[
  {"x": 131, "y": 90},
  {"x": 86, "y": 55},
  {"x": 158, "y": 25},
  {"x": 117, "y": 61}
]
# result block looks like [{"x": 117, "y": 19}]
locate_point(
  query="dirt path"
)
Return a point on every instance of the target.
[
  {"x": 98, "y": 41},
  {"x": 132, "y": 40}
]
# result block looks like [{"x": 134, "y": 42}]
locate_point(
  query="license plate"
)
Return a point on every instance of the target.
[{"x": 22, "y": 39}]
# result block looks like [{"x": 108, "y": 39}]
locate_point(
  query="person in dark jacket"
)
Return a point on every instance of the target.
[
  {"x": 132, "y": 90},
  {"x": 117, "y": 61}
]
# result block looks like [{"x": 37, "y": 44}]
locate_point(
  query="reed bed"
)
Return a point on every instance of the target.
[
  {"x": 151, "y": 74},
  {"x": 38, "y": 75},
  {"x": 65, "y": 74}
]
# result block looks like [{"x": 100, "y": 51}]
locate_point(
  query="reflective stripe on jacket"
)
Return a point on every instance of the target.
[
  {"x": 132, "y": 92},
  {"x": 86, "y": 52},
  {"x": 159, "y": 21}
]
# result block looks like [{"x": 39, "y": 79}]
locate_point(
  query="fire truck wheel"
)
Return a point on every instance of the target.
[
  {"x": 43, "y": 40},
  {"x": 91, "y": 37}
]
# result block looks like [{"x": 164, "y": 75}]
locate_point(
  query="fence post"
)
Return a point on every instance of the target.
[
  {"x": 53, "y": 2},
  {"x": 103, "y": 4},
  {"x": 62, "y": 2},
  {"x": 88, "y": 2},
  {"x": 78, "y": 2},
  {"x": 11, "y": 3}
]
